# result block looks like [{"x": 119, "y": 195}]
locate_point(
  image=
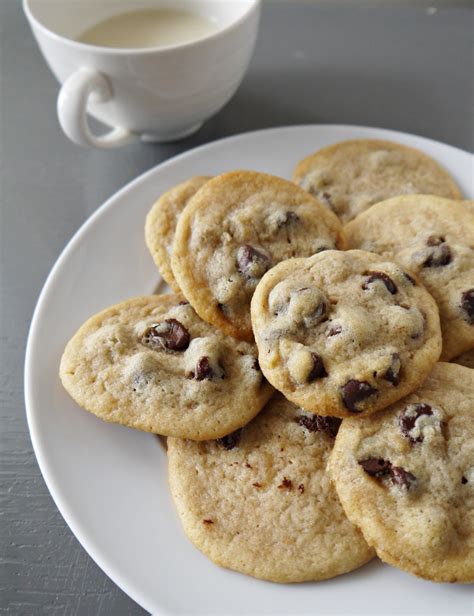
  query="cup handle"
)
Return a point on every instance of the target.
[{"x": 72, "y": 108}]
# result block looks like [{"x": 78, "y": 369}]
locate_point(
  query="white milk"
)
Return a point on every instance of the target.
[{"x": 148, "y": 28}]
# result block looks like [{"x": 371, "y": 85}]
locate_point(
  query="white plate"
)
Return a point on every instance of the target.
[{"x": 110, "y": 482}]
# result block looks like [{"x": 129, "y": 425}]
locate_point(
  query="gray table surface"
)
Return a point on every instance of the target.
[{"x": 387, "y": 64}]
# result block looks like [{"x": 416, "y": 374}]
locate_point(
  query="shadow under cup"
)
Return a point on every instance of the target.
[{"x": 158, "y": 93}]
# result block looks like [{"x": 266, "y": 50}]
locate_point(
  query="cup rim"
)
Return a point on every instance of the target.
[{"x": 253, "y": 7}]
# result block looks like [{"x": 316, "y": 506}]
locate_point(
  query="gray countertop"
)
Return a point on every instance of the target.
[{"x": 389, "y": 64}]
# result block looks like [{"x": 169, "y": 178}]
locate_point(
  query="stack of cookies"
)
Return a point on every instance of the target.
[{"x": 295, "y": 367}]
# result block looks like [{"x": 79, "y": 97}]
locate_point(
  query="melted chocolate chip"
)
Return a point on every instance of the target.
[
  {"x": 376, "y": 467},
  {"x": 203, "y": 369},
  {"x": 467, "y": 305},
  {"x": 440, "y": 255},
  {"x": 385, "y": 278},
  {"x": 231, "y": 440},
  {"x": 393, "y": 373},
  {"x": 320, "y": 423},
  {"x": 251, "y": 263},
  {"x": 169, "y": 334},
  {"x": 401, "y": 477},
  {"x": 408, "y": 417},
  {"x": 207, "y": 521},
  {"x": 335, "y": 330},
  {"x": 354, "y": 392},
  {"x": 318, "y": 371},
  {"x": 288, "y": 218}
]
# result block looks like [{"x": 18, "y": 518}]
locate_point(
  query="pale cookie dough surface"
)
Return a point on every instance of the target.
[
  {"x": 353, "y": 175},
  {"x": 260, "y": 501},
  {"x": 405, "y": 476},
  {"x": 238, "y": 226},
  {"x": 344, "y": 333},
  {"x": 161, "y": 222},
  {"x": 151, "y": 363},
  {"x": 433, "y": 238}
]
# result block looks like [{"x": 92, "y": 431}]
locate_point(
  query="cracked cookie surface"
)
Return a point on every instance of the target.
[
  {"x": 160, "y": 226},
  {"x": 353, "y": 175},
  {"x": 344, "y": 333},
  {"x": 151, "y": 363},
  {"x": 260, "y": 501},
  {"x": 405, "y": 476},
  {"x": 238, "y": 226},
  {"x": 433, "y": 238}
]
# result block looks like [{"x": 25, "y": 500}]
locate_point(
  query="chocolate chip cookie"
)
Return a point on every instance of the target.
[
  {"x": 433, "y": 238},
  {"x": 161, "y": 224},
  {"x": 351, "y": 176},
  {"x": 239, "y": 225},
  {"x": 405, "y": 476},
  {"x": 344, "y": 333},
  {"x": 151, "y": 363},
  {"x": 259, "y": 501}
]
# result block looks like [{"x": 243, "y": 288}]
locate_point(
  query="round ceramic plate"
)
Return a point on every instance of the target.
[{"x": 109, "y": 482}]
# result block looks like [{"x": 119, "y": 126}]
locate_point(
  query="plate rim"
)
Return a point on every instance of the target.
[{"x": 32, "y": 414}]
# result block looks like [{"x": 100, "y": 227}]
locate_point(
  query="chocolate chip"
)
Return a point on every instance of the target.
[
  {"x": 385, "y": 278},
  {"x": 288, "y": 218},
  {"x": 467, "y": 305},
  {"x": 301, "y": 488},
  {"x": 169, "y": 334},
  {"x": 463, "y": 480},
  {"x": 408, "y": 417},
  {"x": 318, "y": 371},
  {"x": 255, "y": 364},
  {"x": 231, "y": 440},
  {"x": 354, "y": 392},
  {"x": 257, "y": 485},
  {"x": 401, "y": 477},
  {"x": 440, "y": 255},
  {"x": 286, "y": 483},
  {"x": 320, "y": 423},
  {"x": 203, "y": 369},
  {"x": 376, "y": 467},
  {"x": 335, "y": 330},
  {"x": 410, "y": 279},
  {"x": 251, "y": 263},
  {"x": 183, "y": 303},
  {"x": 208, "y": 521},
  {"x": 393, "y": 373}
]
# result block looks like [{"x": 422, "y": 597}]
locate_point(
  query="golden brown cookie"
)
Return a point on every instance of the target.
[
  {"x": 151, "y": 363},
  {"x": 352, "y": 175},
  {"x": 161, "y": 222},
  {"x": 344, "y": 333},
  {"x": 405, "y": 476},
  {"x": 434, "y": 239},
  {"x": 233, "y": 230},
  {"x": 259, "y": 501}
]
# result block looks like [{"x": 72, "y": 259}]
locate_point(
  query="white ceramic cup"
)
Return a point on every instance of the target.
[{"x": 157, "y": 93}]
